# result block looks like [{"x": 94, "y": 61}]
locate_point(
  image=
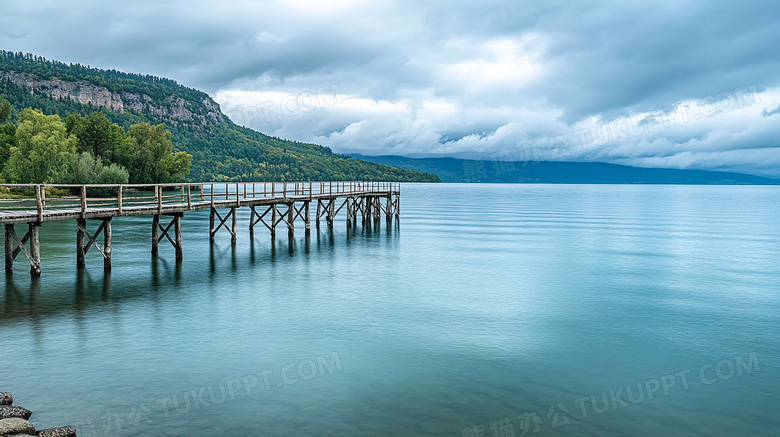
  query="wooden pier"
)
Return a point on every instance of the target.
[{"x": 271, "y": 204}]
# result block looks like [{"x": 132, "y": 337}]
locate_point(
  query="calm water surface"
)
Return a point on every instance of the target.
[{"x": 488, "y": 310}]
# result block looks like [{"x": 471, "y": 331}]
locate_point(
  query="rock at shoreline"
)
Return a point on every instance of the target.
[
  {"x": 7, "y": 412},
  {"x": 13, "y": 422},
  {"x": 15, "y": 426},
  {"x": 64, "y": 431}
]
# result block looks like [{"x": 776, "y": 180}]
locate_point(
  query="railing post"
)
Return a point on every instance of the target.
[
  {"x": 189, "y": 197},
  {"x": 238, "y": 200},
  {"x": 83, "y": 201},
  {"x": 39, "y": 202},
  {"x": 119, "y": 198},
  {"x": 159, "y": 198},
  {"x": 211, "y": 194}
]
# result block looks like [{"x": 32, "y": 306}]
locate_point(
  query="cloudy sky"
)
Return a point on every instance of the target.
[{"x": 683, "y": 84}]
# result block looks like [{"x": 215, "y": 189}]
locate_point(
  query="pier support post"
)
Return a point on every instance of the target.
[
  {"x": 107, "y": 244},
  {"x": 273, "y": 220},
  {"x": 9, "y": 248},
  {"x": 211, "y": 223},
  {"x": 233, "y": 224},
  {"x": 331, "y": 212},
  {"x": 389, "y": 208},
  {"x": 155, "y": 234},
  {"x": 252, "y": 220},
  {"x": 349, "y": 213},
  {"x": 35, "y": 250},
  {"x": 290, "y": 219},
  {"x": 177, "y": 235},
  {"x": 307, "y": 215},
  {"x": 80, "y": 260}
]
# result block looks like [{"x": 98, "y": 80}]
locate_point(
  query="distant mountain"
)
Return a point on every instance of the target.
[
  {"x": 459, "y": 170},
  {"x": 221, "y": 150}
]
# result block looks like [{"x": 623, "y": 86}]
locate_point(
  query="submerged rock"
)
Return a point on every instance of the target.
[
  {"x": 15, "y": 426},
  {"x": 8, "y": 411}
]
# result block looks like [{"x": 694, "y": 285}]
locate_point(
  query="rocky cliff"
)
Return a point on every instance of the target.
[{"x": 174, "y": 110}]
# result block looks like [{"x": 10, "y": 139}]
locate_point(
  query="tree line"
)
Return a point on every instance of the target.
[{"x": 41, "y": 148}]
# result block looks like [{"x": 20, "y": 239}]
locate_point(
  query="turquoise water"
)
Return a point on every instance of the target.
[{"x": 487, "y": 310}]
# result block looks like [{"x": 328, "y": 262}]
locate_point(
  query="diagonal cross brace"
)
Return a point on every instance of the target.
[
  {"x": 165, "y": 233},
  {"x": 92, "y": 238},
  {"x": 20, "y": 244},
  {"x": 33, "y": 254},
  {"x": 222, "y": 221}
]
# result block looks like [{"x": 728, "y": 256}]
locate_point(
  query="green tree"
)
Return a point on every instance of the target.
[
  {"x": 7, "y": 141},
  {"x": 43, "y": 150},
  {"x": 86, "y": 169},
  {"x": 73, "y": 122},
  {"x": 97, "y": 135},
  {"x": 152, "y": 159},
  {"x": 5, "y": 110}
]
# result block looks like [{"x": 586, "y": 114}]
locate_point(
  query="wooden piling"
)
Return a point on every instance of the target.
[
  {"x": 107, "y": 244},
  {"x": 80, "y": 255},
  {"x": 273, "y": 220},
  {"x": 9, "y": 248},
  {"x": 35, "y": 250},
  {"x": 233, "y": 224},
  {"x": 211, "y": 220},
  {"x": 156, "y": 234},
  {"x": 291, "y": 218},
  {"x": 307, "y": 215},
  {"x": 178, "y": 245}
]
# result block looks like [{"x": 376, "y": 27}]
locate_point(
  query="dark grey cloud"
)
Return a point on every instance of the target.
[{"x": 456, "y": 78}]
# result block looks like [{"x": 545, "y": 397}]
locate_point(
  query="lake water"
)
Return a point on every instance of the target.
[{"x": 496, "y": 310}]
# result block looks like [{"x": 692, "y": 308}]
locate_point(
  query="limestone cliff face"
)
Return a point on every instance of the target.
[
  {"x": 172, "y": 109},
  {"x": 82, "y": 92}
]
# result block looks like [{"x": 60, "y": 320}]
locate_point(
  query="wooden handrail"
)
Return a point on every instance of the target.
[{"x": 162, "y": 197}]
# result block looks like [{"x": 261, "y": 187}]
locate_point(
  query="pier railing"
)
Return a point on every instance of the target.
[
  {"x": 271, "y": 204},
  {"x": 42, "y": 200}
]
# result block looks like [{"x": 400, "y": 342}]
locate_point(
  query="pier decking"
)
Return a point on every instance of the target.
[{"x": 270, "y": 203}]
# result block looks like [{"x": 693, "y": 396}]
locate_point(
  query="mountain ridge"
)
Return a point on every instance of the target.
[
  {"x": 462, "y": 170},
  {"x": 222, "y": 150}
]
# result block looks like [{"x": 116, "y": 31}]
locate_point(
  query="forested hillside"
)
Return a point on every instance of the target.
[{"x": 220, "y": 149}]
